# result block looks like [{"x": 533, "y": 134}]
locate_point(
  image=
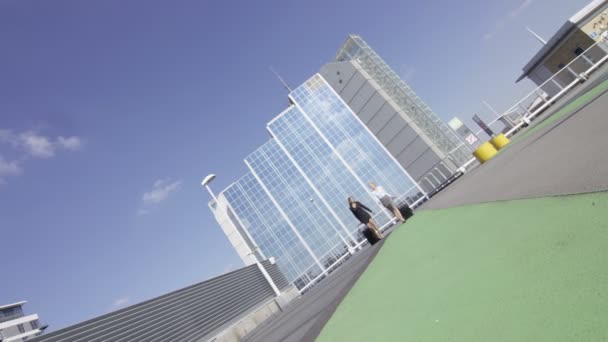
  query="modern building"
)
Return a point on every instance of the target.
[
  {"x": 419, "y": 140},
  {"x": 15, "y": 326},
  {"x": 292, "y": 203},
  {"x": 221, "y": 309},
  {"x": 574, "y": 37}
]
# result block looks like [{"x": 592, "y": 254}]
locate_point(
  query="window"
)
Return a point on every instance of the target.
[
  {"x": 34, "y": 324},
  {"x": 10, "y": 313},
  {"x": 21, "y": 328},
  {"x": 578, "y": 51}
]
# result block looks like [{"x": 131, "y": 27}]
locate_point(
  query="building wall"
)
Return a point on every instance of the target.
[
  {"x": 566, "y": 53},
  {"x": 455, "y": 153},
  {"x": 293, "y": 202},
  {"x": 580, "y": 39},
  {"x": 413, "y": 149},
  {"x": 20, "y": 328},
  {"x": 239, "y": 239},
  {"x": 597, "y": 24}
]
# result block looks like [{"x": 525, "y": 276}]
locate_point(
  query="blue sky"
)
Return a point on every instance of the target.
[{"x": 111, "y": 112}]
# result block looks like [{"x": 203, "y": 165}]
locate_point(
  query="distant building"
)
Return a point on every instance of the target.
[
  {"x": 292, "y": 202},
  {"x": 418, "y": 139},
  {"x": 575, "y": 36},
  {"x": 15, "y": 326}
]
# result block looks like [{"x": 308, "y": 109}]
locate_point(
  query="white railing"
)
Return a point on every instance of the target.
[{"x": 538, "y": 100}]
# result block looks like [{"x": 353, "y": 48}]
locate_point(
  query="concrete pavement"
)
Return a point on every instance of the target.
[{"x": 565, "y": 157}]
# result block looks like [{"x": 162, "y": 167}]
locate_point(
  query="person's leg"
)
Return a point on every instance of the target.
[
  {"x": 397, "y": 214},
  {"x": 374, "y": 227}
]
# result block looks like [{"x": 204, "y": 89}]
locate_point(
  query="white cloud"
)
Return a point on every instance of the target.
[
  {"x": 32, "y": 144},
  {"x": 520, "y": 9},
  {"x": 142, "y": 212},
  {"x": 37, "y": 145},
  {"x": 8, "y": 168},
  {"x": 121, "y": 302},
  {"x": 162, "y": 190},
  {"x": 7, "y": 136},
  {"x": 512, "y": 15},
  {"x": 70, "y": 143}
]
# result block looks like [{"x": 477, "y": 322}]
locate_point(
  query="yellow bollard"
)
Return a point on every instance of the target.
[
  {"x": 485, "y": 152},
  {"x": 499, "y": 141}
]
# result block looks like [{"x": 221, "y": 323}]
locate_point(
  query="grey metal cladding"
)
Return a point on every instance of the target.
[
  {"x": 391, "y": 129},
  {"x": 352, "y": 88},
  {"x": 411, "y": 153},
  {"x": 338, "y": 74},
  {"x": 362, "y": 97},
  {"x": 372, "y": 108},
  {"x": 425, "y": 163},
  {"x": 192, "y": 313},
  {"x": 401, "y": 141}
]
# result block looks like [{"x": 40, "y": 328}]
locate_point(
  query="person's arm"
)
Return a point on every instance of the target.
[{"x": 364, "y": 207}]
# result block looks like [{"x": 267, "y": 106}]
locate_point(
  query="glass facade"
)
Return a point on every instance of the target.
[
  {"x": 11, "y": 313},
  {"x": 293, "y": 201},
  {"x": 442, "y": 136}
]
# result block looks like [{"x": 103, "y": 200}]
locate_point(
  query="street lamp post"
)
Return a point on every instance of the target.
[
  {"x": 206, "y": 182},
  {"x": 251, "y": 253}
]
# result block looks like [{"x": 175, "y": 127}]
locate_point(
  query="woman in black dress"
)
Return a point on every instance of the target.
[{"x": 362, "y": 213}]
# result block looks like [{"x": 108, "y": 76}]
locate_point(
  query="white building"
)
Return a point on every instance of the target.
[
  {"x": 15, "y": 326},
  {"x": 577, "y": 35}
]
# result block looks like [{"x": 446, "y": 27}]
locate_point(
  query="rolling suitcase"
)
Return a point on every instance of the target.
[
  {"x": 406, "y": 211},
  {"x": 370, "y": 236}
]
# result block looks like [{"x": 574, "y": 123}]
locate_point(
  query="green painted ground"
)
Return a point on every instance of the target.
[
  {"x": 569, "y": 108},
  {"x": 526, "y": 270}
]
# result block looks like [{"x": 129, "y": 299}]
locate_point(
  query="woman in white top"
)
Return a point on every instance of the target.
[{"x": 386, "y": 200}]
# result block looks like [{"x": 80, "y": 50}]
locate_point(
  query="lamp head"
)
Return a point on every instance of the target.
[{"x": 208, "y": 179}]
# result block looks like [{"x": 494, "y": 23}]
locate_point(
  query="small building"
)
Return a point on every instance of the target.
[
  {"x": 578, "y": 34},
  {"x": 15, "y": 326}
]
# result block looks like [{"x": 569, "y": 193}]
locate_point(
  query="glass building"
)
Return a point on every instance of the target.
[
  {"x": 356, "y": 49},
  {"x": 292, "y": 203}
]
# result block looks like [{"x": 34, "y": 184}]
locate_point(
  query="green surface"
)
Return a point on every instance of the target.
[
  {"x": 525, "y": 270},
  {"x": 569, "y": 108}
]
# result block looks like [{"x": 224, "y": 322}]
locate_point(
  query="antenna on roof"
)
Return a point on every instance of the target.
[
  {"x": 281, "y": 79},
  {"x": 540, "y": 39}
]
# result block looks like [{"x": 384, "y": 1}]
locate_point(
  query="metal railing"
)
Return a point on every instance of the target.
[{"x": 523, "y": 112}]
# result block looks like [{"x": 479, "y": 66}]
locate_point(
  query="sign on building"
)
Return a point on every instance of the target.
[
  {"x": 483, "y": 125},
  {"x": 463, "y": 131}
]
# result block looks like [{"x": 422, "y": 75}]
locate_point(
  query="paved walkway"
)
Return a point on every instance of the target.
[
  {"x": 564, "y": 154},
  {"x": 304, "y": 318},
  {"x": 526, "y": 270}
]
